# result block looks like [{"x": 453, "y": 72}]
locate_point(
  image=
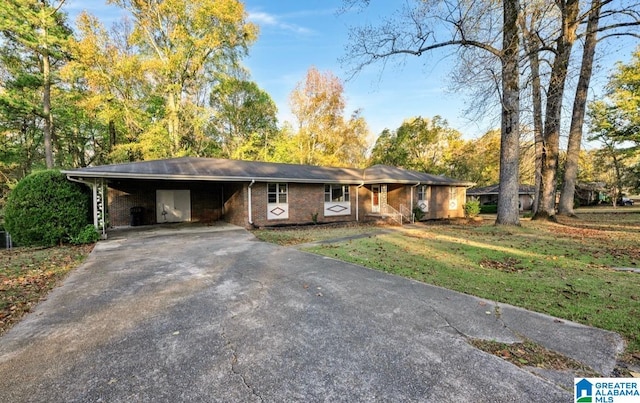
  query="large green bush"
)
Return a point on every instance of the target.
[
  {"x": 46, "y": 209},
  {"x": 472, "y": 208}
]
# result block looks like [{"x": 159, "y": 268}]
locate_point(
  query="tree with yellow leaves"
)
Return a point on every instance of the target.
[
  {"x": 177, "y": 50},
  {"x": 324, "y": 136}
]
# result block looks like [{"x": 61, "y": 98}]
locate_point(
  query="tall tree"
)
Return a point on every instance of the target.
[
  {"x": 39, "y": 28},
  {"x": 108, "y": 68},
  {"x": 622, "y": 103},
  {"x": 389, "y": 150},
  {"x": 508, "y": 202},
  {"x": 422, "y": 144},
  {"x": 20, "y": 121},
  {"x": 620, "y": 18},
  {"x": 534, "y": 15},
  {"x": 245, "y": 119},
  {"x": 478, "y": 160},
  {"x": 324, "y": 136},
  {"x": 425, "y": 26},
  {"x": 185, "y": 45},
  {"x": 570, "y": 176},
  {"x": 563, "y": 44}
]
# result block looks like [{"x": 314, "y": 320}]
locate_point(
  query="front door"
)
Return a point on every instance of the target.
[
  {"x": 173, "y": 206},
  {"x": 375, "y": 198}
]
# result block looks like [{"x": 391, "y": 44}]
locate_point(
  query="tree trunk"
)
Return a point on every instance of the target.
[
  {"x": 555, "y": 93},
  {"x": 46, "y": 111},
  {"x": 173, "y": 123},
  {"x": 579, "y": 108},
  {"x": 532, "y": 42},
  {"x": 508, "y": 211},
  {"x": 112, "y": 136},
  {"x": 46, "y": 99}
]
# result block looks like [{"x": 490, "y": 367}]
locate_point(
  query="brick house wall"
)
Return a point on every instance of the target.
[
  {"x": 439, "y": 203},
  {"x": 206, "y": 201},
  {"x": 364, "y": 201},
  {"x": 211, "y": 201},
  {"x": 304, "y": 201},
  {"x": 401, "y": 194},
  {"x": 235, "y": 211},
  {"x": 129, "y": 195}
]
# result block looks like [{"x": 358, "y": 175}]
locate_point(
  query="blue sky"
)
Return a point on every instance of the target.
[{"x": 295, "y": 35}]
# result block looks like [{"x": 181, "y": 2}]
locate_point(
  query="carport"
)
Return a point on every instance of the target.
[
  {"x": 163, "y": 191},
  {"x": 125, "y": 201}
]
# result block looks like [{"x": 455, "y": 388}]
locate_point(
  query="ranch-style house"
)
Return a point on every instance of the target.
[{"x": 261, "y": 194}]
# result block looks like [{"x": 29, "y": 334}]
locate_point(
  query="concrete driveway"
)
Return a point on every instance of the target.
[{"x": 210, "y": 314}]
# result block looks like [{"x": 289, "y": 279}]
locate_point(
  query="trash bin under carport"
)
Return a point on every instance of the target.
[{"x": 137, "y": 213}]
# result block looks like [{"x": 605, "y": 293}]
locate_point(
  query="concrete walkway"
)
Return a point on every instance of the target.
[{"x": 210, "y": 314}]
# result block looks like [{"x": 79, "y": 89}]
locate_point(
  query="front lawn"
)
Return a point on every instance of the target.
[
  {"x": 28, "y": 274},
  {"x": 562, "y": 269}
]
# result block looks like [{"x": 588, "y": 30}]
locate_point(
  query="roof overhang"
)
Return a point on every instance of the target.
[
  {"x": 413, "y": 182},
  {"x": 189, "y": 169},
  {"x": 200, "y": 178}
]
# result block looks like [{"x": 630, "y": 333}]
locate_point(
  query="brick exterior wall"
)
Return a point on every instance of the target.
[
  {"x": 401, "y": 194},
  {"x": 304, "y": 200},
  {"x": 206, "y": 201},
  {"x": 439, "y": 203},
  {"x": 212, "y": 201},
  {"x": 129, "y": 195},
  {"x": 235, "y": 205}
]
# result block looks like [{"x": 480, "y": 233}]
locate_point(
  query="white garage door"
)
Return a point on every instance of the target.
[{"x": 173, "y": 206}]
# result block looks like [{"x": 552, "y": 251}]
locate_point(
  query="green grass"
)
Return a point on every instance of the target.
[
  {"x": 287, "y": 236},
  {"x": 561, "y": 269}
]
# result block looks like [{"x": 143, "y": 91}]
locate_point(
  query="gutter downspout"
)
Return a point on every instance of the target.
[
  {"x": 253, "y": 181},
  {"x": 358, "y": 201}
]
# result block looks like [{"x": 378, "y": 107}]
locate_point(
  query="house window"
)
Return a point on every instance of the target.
[
  {"x": 453, "y": 198},
  {"x": 336, "y": 193},
  {"x": 277, "y": 206},
  {"x": 422, "y": 193},
  {"x": 277, "y": 193},
  {"x": 423, "y": 197},
  {"x": 336, "y": 200}
]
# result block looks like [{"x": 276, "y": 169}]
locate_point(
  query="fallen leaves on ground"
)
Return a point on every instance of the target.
[
  {"x": 530, "y": 354},
  {"x": 508, "y": 264},
  {"x": 28, "y": 274}
]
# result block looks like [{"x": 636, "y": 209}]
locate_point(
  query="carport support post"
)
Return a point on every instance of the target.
[
  {"x": 98, "y": 206},
  {"x": 94, "y": 188},
  {"x": 97, "y": 190}
]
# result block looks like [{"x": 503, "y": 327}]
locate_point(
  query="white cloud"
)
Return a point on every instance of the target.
[{"x": 272, "y": 20}]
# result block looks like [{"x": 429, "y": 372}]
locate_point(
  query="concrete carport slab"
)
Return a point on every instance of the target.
[{"x": 213, "y": 315}]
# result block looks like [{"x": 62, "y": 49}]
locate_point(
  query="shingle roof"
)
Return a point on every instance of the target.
[
  {"x": 385, "y": 173},
  {"x": 495, "y": 189},
  {"x": 213, "y": 169}
]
